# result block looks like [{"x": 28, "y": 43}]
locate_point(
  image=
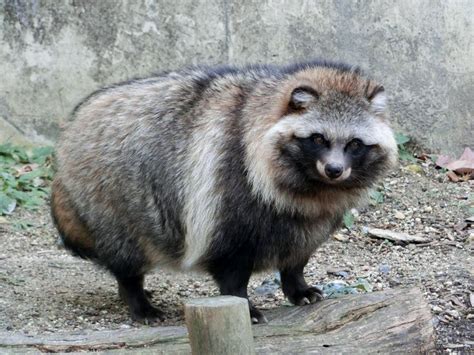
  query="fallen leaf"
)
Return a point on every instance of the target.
[
  {"x": 461, "y": 166},
  {"x": 414, "y": 168},
  {"x": 28, "y": 168},
  {"x": 443, "y": 160},
  {"x": 468, "y": 154},
  {"x": 452, "y": 176},
  {"x": 424, "y": 156},
  {"x": 396, "y": 236}
]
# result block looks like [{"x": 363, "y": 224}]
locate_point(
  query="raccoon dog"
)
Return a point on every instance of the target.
[{"x": 226, "y": 170}]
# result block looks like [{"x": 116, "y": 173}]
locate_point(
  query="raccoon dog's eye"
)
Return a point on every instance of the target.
[
  {"x": 319, "y": 139},
  {"x": 354, "y": 145}
]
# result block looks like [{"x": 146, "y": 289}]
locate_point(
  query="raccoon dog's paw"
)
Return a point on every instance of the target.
[
  {"x": 257, "y": 316},
  {"x": 305, "y": 296},
  {"x": 131, "y": 291},
  {"x": 148, "y": 294},
  {"x": 147, "y": 314}
]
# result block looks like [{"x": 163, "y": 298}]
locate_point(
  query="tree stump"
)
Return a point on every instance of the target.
[
  {"x": 219, "y": 326},
  {"x": 391, "y": 321}
]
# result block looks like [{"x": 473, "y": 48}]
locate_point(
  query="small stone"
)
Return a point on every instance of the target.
[
  {"x": 355, "y": 213},
  {"x": 430, "y": 230},
  {"x": 267, "y": 288},
  {"x": 341, "y": 238},
  {"x": 399, "y": 215},
  {"x": 344, "y": 273},
  {"x": 384, "y": 269},
  {"x": 470, "y": 239},
  {"x": 436, "y": 309},
  {"x": 453, "y": 313},
  {"x": 428, "y": 209}
]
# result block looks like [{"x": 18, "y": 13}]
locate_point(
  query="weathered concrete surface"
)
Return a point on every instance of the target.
[{"x": 52, "y": 53}]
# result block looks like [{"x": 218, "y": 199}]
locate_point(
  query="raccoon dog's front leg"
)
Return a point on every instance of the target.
[
  {"x": 233, "y": 277},
  {"x": 295, "y": 287}
]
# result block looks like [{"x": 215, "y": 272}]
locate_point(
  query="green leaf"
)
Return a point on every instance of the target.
[
  {"x": 7, "y": 204},
  {"x": 28, "y": 177},
  {"x": 16, "y": 153},
  {"x": 348, "y": 219},
  {"x": 41, "y": 155},
  {"x": 401, "y": 139},
  {"x": 33, "y": 202},
  {"x": 23, "y": 224},
  {"x": 362, "y": 284},
  {"x": 29, "y": 190},
  {"x": 18, "y": 195},
  {"x": 405, "y": 155},
  {"x": 376, "y": 197}
]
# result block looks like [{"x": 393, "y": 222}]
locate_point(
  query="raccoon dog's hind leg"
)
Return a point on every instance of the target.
[
  {"x": 131, "y": 292},
  {"x": 77, "y": 238}
]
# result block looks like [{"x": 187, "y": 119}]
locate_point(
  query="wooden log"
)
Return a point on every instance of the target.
[
  {"x": 391, "y": 321},
  {"x": 219, "y": 326}
]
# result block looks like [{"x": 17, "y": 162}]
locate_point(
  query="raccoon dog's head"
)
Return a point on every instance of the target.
[{"x": 329, "y": 136}]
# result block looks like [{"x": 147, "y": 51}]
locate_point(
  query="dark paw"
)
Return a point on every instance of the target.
[
  {"x": 147, "y": 314},
  {"x": 123, "y": 295},
  {"x": 257, "y": 316},
  {"x": 306, "y": 296},
  {"x": 148, "y": 294}
]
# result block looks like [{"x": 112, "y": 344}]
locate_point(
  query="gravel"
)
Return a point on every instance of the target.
[{"x": 43, "y": 289}]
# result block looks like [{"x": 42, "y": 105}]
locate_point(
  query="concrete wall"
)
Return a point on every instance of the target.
[{"x": 53, "y": 53}]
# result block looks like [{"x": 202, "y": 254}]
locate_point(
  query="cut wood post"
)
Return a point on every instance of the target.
[{"x": 219, "y": 326}]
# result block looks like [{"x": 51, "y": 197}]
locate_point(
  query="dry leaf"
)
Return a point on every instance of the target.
[
  {"x": 443, "y": 160},
  {"x": 468, "y": 154},
  {"x": 461, "y": 166},
  {"x": 28, "y": 168},
  {"x": 452, "y": 176}
]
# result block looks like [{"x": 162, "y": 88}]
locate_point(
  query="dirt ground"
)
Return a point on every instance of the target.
[{"x": 45, "y": 290}]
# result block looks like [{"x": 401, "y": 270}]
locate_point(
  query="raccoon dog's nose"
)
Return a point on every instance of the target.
[{"x": 333, "y": 171}]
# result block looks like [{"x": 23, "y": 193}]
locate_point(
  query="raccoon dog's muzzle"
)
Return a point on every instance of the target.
[{"x": 334, "y": 168}]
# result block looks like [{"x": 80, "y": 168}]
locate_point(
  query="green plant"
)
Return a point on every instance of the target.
[
  {"x": 376, "y": 196},
  {"x": 25, "y": 176},
  {"x": 403, "y": 152},
  {"x": 348, "y": 219}
]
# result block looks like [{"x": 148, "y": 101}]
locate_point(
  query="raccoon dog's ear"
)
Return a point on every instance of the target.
[
  {"x": 302, "y": 97},
  {"x": 378, "y": 99}
]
